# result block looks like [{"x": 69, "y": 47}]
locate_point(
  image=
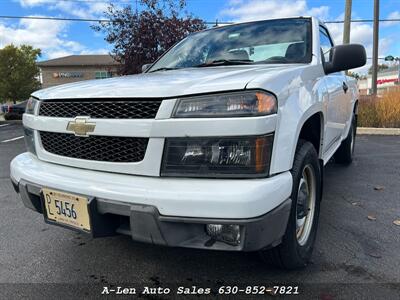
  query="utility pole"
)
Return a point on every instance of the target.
[
  {"x": 347, "y": 22},
  {"x": 375, "y": 48}
]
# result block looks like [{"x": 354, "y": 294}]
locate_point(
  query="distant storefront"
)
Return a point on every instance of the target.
[
  {"x": 76, "y": 68},
  {"x": 387, "y": 79}
]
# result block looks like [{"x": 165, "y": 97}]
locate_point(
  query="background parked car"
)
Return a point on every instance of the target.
[
  {"x": 15, "y": 111},
  {"x": 3, "y": 108}
]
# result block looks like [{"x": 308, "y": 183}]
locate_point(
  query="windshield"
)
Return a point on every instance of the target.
[{"x": 274, "y": 41}]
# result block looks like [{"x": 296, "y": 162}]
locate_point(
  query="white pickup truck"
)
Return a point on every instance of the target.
[{"x": 220, "y": 144}]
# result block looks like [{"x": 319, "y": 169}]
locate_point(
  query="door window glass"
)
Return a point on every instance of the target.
[{"x": 326, "y": 43}]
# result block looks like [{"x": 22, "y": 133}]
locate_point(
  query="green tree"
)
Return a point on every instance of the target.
[
  {"x": 354, "y": 75},
  {"x": 19, "y": 72},
  {"x": 380, "y": 68},
  {"x": 140, "y": 37}
]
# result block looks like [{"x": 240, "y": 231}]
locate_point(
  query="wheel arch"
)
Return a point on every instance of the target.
[
  {"x": 355, "y": 107},
  {"x": 312, "y": 130},
  {"x": 287, "y": 136}
]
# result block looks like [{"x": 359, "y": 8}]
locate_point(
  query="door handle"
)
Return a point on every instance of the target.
[{"x": 345, "y": 87}]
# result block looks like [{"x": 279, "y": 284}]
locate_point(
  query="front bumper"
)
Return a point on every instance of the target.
[{"x": 166, "y": 211}]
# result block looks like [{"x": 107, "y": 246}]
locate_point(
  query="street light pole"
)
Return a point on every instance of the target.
[{"x": 375, "y": 48}]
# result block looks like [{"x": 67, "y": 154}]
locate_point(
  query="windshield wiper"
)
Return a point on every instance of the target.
[
  {"x": 226, "y": 62},
  {"x": 162, "y": 69},
  {"x": 218, "y": 62}
]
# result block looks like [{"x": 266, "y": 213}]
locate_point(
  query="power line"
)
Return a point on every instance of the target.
[
  {"x": 55, "y": 18},
  {"x": 82, "y": 19},
  {"x": 206, "y": 22},
  {"x": 364, "y": 21},
  {"x": 80, "y": 1}
]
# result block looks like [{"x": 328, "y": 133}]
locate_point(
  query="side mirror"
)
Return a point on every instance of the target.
[
  {"x": 145, "y": 67},
  {"x": 346, "y": 57}
]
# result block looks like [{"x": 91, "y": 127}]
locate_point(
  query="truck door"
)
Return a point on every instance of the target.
[
  {"x": 336, "y": 106},
  {"x": 348, "y": 102}
]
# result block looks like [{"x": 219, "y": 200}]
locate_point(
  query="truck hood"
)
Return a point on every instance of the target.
[{"x": 166, "y": 84}]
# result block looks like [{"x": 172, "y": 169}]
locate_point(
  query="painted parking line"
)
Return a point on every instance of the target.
[
  {"x": 2, "y": 125},
  {"x": 13, "y": 139}
]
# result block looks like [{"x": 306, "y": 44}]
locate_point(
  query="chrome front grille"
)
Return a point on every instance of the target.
[
  {"x": 101, "y": 109},
  {"x": 97, "y": 148}
]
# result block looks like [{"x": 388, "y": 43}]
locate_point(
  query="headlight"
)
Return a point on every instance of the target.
[
  {"x": 236, "y": 104},
  {"x": 31, "y": 106},
  {"x": 217, "y": 157},
  {"x": 30, "y": 140}
]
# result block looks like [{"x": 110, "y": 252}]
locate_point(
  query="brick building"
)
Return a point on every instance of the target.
[{"x": 76, "y": 68}]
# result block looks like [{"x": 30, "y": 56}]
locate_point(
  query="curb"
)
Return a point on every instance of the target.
[{"x": 378, "y": 131}]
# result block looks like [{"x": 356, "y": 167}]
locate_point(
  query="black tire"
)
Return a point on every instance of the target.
[
  {"x": 290, "y": 254},
  {"x": 344, "y": 154}
]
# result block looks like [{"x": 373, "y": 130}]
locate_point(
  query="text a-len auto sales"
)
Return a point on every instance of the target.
[{"x": 193, "y": 290}]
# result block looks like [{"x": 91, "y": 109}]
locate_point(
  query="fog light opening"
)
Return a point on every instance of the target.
[{"x": 229, "y": 234}]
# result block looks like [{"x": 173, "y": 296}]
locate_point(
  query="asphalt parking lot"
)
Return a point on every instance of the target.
[{"x": 357, "y": 248}]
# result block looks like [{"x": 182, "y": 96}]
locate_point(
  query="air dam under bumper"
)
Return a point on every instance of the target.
[{"x": 167, "y": 211}]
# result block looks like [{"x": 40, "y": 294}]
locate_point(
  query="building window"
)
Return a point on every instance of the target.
[{"x": 103, "y": 74}]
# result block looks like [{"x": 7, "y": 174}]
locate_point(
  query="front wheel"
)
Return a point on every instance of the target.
[{"x": 297, "y": 243}]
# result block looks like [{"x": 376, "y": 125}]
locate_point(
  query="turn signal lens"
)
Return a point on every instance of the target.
[
  {"x": 31, "y": 106},
  {"x": 260, "y": 154},
  {"x": 29, "y": 137},
  {"x": 266, "y": 103}
]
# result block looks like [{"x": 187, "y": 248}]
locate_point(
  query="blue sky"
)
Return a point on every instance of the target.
[{"x": 64, "y": 38}]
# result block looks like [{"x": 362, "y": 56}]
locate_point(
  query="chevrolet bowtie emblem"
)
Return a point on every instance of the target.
[{"x": 81, "y": 127}]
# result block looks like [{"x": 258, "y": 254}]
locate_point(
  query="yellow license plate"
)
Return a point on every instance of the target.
[{"x": 67, "y": 209}]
